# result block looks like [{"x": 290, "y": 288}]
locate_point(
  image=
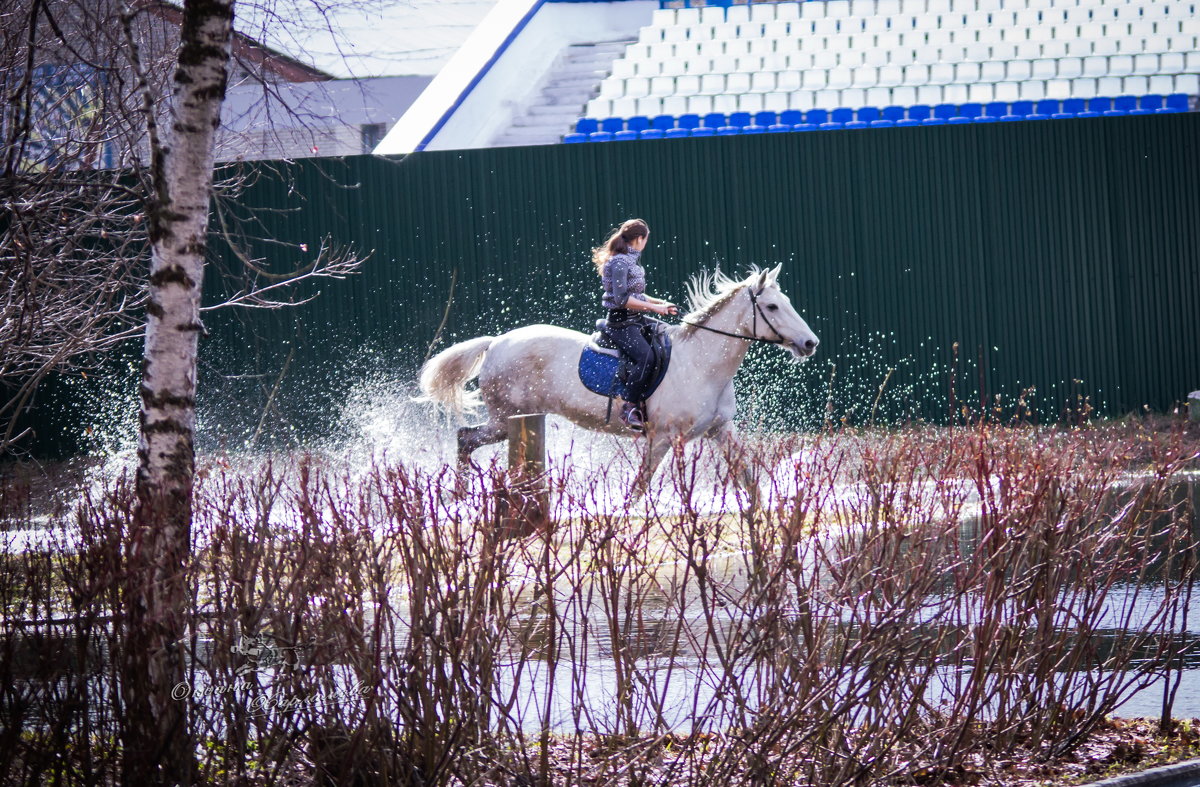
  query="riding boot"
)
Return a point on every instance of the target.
[{"x": 631, "y": 415}]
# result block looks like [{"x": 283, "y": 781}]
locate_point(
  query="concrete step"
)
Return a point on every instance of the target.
[{"x": 550, "y": 111}]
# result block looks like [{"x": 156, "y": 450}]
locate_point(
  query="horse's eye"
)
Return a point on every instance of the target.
[{"x": 772, "y": 307}]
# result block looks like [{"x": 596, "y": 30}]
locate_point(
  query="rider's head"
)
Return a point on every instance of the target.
[{"x": 623, "y": 239}]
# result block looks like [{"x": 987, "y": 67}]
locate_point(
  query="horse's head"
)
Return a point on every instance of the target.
[{"x": 776, "y": 319}]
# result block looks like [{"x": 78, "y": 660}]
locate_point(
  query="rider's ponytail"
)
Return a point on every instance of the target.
[{"x": 619, "y": 242}]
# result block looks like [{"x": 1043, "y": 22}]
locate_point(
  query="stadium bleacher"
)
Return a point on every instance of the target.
[{"x": 770, "y": 67}]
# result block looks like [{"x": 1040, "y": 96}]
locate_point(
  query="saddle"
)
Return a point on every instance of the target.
[{"x": 604, "y": 370}]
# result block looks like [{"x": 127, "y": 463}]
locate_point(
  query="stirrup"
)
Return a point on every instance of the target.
[{"x": 631, "y": 416}]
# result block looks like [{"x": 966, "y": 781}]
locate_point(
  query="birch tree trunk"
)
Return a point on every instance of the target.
[{"x": 157, "y": 741}]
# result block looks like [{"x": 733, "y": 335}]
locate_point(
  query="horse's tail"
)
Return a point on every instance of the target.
[{"x": 445, "y": 375}]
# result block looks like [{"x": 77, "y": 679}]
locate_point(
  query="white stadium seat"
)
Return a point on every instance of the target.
[
  {"x": 1030, "y": 90},
  {"x": 1059, "y": 89},
  {"x": 981, "y": 92},
  {"x": 700, "y": 105},
  {"x": 1135, "y": 86},
  {"x": 1187, "y": 83},
  {"x": 674, "y": 105},
  {"x": 712, "y": 84},
  {"x": 726, "y": 103},
  {"x": 750, "y": 102},
  {"x": 775, "y": 102}
]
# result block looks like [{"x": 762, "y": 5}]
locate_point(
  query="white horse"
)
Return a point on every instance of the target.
[{"x": 534, "y": 369}]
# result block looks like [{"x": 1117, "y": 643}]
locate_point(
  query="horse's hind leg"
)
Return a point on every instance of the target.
[{"x": 469, "y": 439}]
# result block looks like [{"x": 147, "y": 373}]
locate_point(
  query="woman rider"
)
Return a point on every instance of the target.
[{"x": 628, "y": 304}]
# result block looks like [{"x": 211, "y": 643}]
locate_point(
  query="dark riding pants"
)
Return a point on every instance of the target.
[{"x": 627, "y": 333}]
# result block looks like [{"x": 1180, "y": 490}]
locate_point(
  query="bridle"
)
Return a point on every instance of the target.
[{"x": 753, "y": 337}]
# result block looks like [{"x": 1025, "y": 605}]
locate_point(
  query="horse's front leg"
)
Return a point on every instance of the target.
[
  {"x": 656, "y": 449},
  {"x": 733, "y": 448}
]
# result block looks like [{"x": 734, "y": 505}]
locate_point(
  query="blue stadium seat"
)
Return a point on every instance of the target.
[
  {"x": 985, "y": 119},
  {"x": 1178, "y": 102},
  {"x": 688, "y": 121},
  {"x": 1021, "y": 108},
  {"x": 638, "y": 123},
  {"x": 1115, "y": 113},
  {"x": 625, "y": 136},
  {"x": 908, "y": 122},
  {"x": 587, "y": 125},
  {"x": 1140, "y": 112},
  {"x": 663, "y": 122},
  {"x": 1047, "y": 107},
  {"x": 765, "y": 119},
  {"x": 893, "y": 113},
  {"x": 971, "y": 110},
  {"x": 855, "y": 124},
  {"x": 1125, "y": 103},
  {"x": 1151, "y": 102},
  {"x": 778, "y": 128},
  {"x": 1073, "y": 106},
  {"x": 754, "y": 129},
  {"x": 1036, "y": 116},
  {"x": 725, "y": 131},
  {"x": 715, "y": 120},
  {"x": 831, "y": 125},
  {"x": 652, "y": 133},
  {"x": 805, "y": 127},
  {"x": 816, "y": 117},
  {"x": 676, "y": 133},
  {"x": 1010, "y": 118},
  {"x": 919, "y": 111},
  {"x": 600, "y": 136},
  {"x": 996, "y": 109},
  {"x": 612, "y": 125},
  {"x": 1168, "y": 110},
  {"x": 702, "y": 131},
  {"x": 933, "y": 121},
  {"x": 882, "y": 123},
  {"x": 841, "y": 115},
  {"x": 739, "y": 119},
  {"x": 575, "y": 138},
  {"x": 945, "y": 111},
  {"x": 867, "y": 114},
  {"x": 1100, "y": 104},
  {"x": 1063, "y": 115},
  {"x": 959, "y": 120},
  {"x": 791, "y": 117}
]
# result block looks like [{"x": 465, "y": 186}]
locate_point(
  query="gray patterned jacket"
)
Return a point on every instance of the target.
[{"x": 623, "y": 279}]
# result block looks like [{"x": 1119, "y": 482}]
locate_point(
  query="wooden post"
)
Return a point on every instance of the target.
[{"x": 526, "y": 506}]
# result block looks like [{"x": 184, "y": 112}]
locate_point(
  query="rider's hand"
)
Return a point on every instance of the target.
[{"x": 669, "y": 308}]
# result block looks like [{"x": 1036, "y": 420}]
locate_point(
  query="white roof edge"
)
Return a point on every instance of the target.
[{"x": 440, "y": 95}]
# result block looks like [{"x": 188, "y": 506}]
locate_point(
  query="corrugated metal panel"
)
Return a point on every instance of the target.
[{"x": 1049, "y": 251}]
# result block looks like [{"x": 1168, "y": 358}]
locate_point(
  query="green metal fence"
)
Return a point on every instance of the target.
[{"x": 1062, "y": 256}]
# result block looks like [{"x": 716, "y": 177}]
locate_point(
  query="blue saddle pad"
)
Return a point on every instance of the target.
[{"x": 598, "y": 371}]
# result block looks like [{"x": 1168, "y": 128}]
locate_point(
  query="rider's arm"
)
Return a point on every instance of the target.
[{"x": 648, "y": 305}]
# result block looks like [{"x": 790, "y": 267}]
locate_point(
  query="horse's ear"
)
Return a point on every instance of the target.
[
  {"x": 774, "y": 273},
  {"x": 762, "y": 280}
]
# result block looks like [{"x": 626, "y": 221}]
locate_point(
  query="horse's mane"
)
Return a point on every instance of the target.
[{"x": 707, "y": 294}]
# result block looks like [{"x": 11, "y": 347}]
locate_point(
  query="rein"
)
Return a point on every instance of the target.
[{"x": 754, "y": 329}]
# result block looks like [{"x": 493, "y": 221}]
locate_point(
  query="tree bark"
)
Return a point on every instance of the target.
[{"x": 157, "y": 740}]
